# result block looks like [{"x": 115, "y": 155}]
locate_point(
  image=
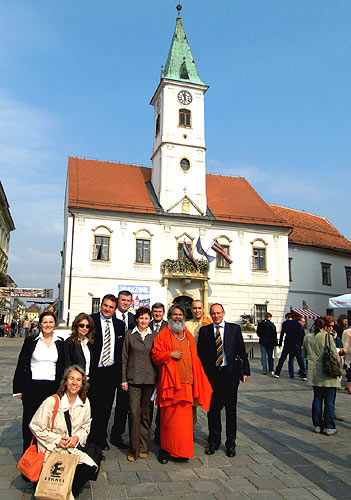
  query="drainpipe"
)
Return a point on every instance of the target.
[{"x": 70, "y": 268}]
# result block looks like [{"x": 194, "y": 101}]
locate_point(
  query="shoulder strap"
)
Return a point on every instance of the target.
[{"x": 54, "y": 413}]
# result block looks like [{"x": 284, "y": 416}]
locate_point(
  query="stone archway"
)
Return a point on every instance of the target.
[{"x": 185, "y": 302}]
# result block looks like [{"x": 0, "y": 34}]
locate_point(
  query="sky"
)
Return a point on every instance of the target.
[{"x": 77, "y": 78}]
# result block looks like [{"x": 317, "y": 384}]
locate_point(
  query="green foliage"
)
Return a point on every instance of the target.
[
  {"x": 247, "y": 322},
  {"x": 183, "y": 266}
]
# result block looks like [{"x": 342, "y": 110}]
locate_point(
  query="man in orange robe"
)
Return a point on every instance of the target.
[{"x": 181, "y": 383}]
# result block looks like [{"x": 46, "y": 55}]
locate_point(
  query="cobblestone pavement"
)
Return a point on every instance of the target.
[{"x": 278, "y": 455}]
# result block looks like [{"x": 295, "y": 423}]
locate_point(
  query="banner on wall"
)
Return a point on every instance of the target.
[{"x": 144, "y": 295}]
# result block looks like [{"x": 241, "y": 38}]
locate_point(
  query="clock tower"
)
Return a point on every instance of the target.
[{"x": 178, "y": 157}]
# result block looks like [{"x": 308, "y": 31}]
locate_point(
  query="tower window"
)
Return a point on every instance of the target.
[
  {"x": 157, "y": 127},
  {"x": 185, "y": 164},
  {"x": 184, "y": 117},
  {"x": 183, "y": 73}
]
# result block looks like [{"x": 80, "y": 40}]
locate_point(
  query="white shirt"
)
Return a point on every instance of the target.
[
  {"x": 103, "y": 322},
  {"x": 66, "y": 406},
  {"x": 221, "y": 331},
  {"x": 86, "y": 352},
  {"x": 44, "y": 359},
  {"x": 142, "y": 334},
  {"x": 119, "y": 315}
]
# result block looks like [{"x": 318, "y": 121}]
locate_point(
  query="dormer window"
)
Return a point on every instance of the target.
[{"x": 183, "y": 73}]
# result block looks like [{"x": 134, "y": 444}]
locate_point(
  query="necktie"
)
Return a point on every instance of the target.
[
  {"x": 107, "y": 345},
  {"x": 124, "y": 321},
  {"x": 219, "y": 353},
  {"x": 157, "y": 328}
]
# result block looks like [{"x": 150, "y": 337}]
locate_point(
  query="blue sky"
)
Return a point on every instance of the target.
[{"x": 77, "y": 78}]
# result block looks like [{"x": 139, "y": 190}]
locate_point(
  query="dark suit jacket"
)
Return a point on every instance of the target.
[
  {"x": 23, "y": 373},
  {"x": 233, "y": 346},
  {"x": 163, "y": 324},
  {"x": 292, "y": 331},
  {"x": 74, "y": 354},
  {"x": 119, "y": 329}
]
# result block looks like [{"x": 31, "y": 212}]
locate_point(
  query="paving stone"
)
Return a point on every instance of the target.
[
  {"x": 211, "y": 473},
  {"x": 294, "y": 480},
  {"x": 142, "y": 490},
  {"x": 264, "y": 495},
  {"x": 233, "y": 495},
  {"x": 297, "y": 493},
  {"x": 181, "y": 475},
  {"x": 320, "y": 494},
  {"x": 134, "y": 466},
  {"x": 238, "y": 471},
  {"x": 152, "y": 476},
  {"x": 239, "y": 484},
  {"x": 117, "y": 492},
  {"x": 125, "y": 477},
  {"x": 202, "y": 496},
  {"x": 100, "y": 492},
  {"x": 206, "y": 485},
  {"x": 267, "y": 482},
  {"x": 178, "y": 487},
  {"x": 111, "y": 465}
]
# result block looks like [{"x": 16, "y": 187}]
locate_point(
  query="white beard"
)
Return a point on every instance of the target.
[{"x": 176, "y": 326}]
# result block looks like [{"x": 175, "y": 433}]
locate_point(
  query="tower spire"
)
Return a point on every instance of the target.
[{"x": 180, "y": 63}]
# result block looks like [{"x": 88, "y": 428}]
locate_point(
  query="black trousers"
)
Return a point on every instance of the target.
[
  {"x": 224, "y": 394},
  {"x": 101, "y": 396},
  {"x": 121, "y": 413},
  {"x": 35, "y": 393}
]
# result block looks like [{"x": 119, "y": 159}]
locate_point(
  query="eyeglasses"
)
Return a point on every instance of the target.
[
  {"x": 82, "y": 325},
  {"x": 331, "y": 326}
]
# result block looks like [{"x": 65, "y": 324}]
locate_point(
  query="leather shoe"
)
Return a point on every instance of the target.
[
  {"x": 211, "y": 450},
  {"x": 119, "y": 443},
  {"x": 230, "y": 452},
  {"x": 163, "y": 456}
]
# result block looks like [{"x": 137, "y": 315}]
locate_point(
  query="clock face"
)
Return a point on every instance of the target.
[{"x": 184, "y": 97}]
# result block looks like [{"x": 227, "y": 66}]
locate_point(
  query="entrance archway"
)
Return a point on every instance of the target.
[{"x": 185, "y": 302}]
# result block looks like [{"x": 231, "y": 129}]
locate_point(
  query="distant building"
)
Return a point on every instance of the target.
[
  {"x": 319, "y": 262},
  {"x": 6, "y": 226},
  {"x": 33, "y": 312}
]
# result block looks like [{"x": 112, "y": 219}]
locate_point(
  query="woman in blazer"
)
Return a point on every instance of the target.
[
  {"x": 78, "y": 347},
  {"x": 139, "y": 378},
  {"x": 39, "y": 370}
]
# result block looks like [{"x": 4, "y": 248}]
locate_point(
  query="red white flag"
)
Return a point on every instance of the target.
[{"x": 220, "y": 250}]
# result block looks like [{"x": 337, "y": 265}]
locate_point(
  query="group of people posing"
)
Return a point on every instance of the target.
[
  {"x": 309, "y": 351},
  {"x": 144, "y": 361}
]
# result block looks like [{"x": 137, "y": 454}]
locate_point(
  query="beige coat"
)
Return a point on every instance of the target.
[
  {"x": 41, "y": 428},
  {"x": 313, "y": 349}
]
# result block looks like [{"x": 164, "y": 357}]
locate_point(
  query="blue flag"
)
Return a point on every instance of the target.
[{"x": 201, "y": 251}]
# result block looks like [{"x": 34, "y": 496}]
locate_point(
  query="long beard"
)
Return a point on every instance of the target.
[{"x": 176, "y": 325}]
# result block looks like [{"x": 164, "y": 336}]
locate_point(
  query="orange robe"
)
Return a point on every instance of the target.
[{"x": 177, "y": 388}]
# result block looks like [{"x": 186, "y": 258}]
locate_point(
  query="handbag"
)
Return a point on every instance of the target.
[
  {"x": 31, "y": 462},
  {"x": 331, "y": 365}
]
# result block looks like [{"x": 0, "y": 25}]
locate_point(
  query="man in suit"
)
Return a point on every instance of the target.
[
  {"x": 218, "y": 346},
  {"x": 106, "y": 371},
  {"x": 267, "y": 334},
  {"x": 157, "y": 313},
  {"x": 124, "y": 300}
]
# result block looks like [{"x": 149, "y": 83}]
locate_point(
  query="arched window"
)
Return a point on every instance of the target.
[
  {"x": 143, "y": 246},
  {"x": 185, "y": 237},
  {"x": 259, "y": 257},
  {"x": 101, "y": 243},
  {"x": 157, "y": 126},
  {"x": 183, "y": 73},
  {"x": 184, "y": 117}
]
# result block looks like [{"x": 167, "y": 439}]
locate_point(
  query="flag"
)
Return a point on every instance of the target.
[
  {"x": 189, "y": 255},
  {"x": 220, "y": 250},
  {"x": 201, "y": 251}
]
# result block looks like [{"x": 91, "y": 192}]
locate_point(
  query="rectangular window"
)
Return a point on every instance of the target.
[
  {"x": 290, "y": 268},
  {"x": 142, "y": 251},
  {"x": 348, "y": 277},
  {"x": 221, "y": 263},
  {"x": 259, "y": 259},
  {"x": 326, "y": 274},
  {"x": 260, "y": 311},
  {"x": 102, "y": 248},
  {"x": 184, "y": 118},
  {"x": 180, "y": 249},
  {"x": 95, "y": 305}
]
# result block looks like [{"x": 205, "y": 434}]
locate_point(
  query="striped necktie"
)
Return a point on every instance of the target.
[
  {"x": 219, "y": 353},
  {"x": 124, "y": 321},
  {"x": 107, "y": 345}
]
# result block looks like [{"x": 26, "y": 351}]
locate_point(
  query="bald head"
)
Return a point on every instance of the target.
[{"x": 197, "y": 309}]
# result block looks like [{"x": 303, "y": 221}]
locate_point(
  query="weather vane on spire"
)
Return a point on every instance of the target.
[{"x": 179, "y": 8}]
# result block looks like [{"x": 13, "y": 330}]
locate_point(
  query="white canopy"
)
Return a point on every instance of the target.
[{"x": 341, "y": 301}]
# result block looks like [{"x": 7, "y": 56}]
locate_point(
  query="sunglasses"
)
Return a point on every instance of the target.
[
  {"x": 82, "y": 325},
  {"x": 330, "y": 326}
]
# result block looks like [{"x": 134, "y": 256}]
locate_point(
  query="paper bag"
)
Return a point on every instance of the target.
[{"x": 56, "y": 478}]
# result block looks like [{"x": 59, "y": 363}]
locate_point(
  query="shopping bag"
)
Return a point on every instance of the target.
[
  {"x": 56, "y": 478},
  {"x": 31, "y": 462}
]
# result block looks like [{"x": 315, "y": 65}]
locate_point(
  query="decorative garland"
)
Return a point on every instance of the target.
[{"x": 184, "y": 266}]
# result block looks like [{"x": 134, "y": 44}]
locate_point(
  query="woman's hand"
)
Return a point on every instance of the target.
[
  {"x": 176, "y": 354},
  {"x": 124, "y": 386},
  {"x": 68, "y": 442}
]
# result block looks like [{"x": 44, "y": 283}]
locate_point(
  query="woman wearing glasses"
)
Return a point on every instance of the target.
[
  {"x": 324, "y": 386},
  {"x": 78, "y": 347}
]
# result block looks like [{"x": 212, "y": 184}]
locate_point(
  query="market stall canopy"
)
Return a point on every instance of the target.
[
  {"x": 305, "y": 313},
  {"x": 340, "y": 301}
]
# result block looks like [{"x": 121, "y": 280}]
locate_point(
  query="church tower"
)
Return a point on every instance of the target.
[{"x": 178, "y": 157}]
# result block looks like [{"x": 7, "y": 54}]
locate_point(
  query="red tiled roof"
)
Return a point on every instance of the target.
[
  {"x": 121, "y": 187},
  {"x": 313, "y": 230},
  {"x": 108, "y": 186}
]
